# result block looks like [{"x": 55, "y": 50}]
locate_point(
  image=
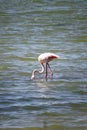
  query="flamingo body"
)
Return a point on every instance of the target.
[{"x": 45, "y": 58}]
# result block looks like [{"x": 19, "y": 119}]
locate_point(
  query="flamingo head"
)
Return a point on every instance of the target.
[
  {"x": 33, "y": 73},
  {"x": 32, "y": 77}
]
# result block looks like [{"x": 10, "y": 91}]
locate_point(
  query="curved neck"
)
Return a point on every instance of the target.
[
  {"x": 40, "y": 72},
  {"x": 42, "y": 68}
]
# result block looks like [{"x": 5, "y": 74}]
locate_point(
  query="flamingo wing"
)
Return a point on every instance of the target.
[{"x": 47, "y": 57}]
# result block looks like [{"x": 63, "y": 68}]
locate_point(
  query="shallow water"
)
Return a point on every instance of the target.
[{"x": 27, "y": 29}]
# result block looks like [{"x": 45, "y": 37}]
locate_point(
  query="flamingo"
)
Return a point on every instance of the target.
[{"x": 45, "y": 58}]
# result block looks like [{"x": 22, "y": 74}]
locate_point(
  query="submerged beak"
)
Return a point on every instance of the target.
[{"x": 32, "y": 77}]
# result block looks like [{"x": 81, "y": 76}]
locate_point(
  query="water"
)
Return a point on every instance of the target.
[{"x": 28, "y": 29}]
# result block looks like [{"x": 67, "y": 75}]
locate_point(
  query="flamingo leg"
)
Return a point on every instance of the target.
[
  {"x": 51, "y": 72},
  {"x": 46, "y": 71}
]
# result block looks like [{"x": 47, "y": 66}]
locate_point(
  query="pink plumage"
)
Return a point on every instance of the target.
[{"x": 45, "y": 58}]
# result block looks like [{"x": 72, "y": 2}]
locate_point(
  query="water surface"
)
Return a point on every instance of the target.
[{"x": 27, "y": 29}]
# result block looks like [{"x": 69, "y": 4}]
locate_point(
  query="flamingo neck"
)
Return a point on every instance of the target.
[{"x": 40, "y": 72}]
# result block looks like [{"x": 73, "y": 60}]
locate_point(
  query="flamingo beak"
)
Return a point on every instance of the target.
[{"x": 32, "y": 77}]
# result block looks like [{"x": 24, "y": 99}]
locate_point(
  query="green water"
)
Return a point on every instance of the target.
[{"x": 29, "y": 28}]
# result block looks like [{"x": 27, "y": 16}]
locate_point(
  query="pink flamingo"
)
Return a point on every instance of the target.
[{"x": 45, "y": 58}]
